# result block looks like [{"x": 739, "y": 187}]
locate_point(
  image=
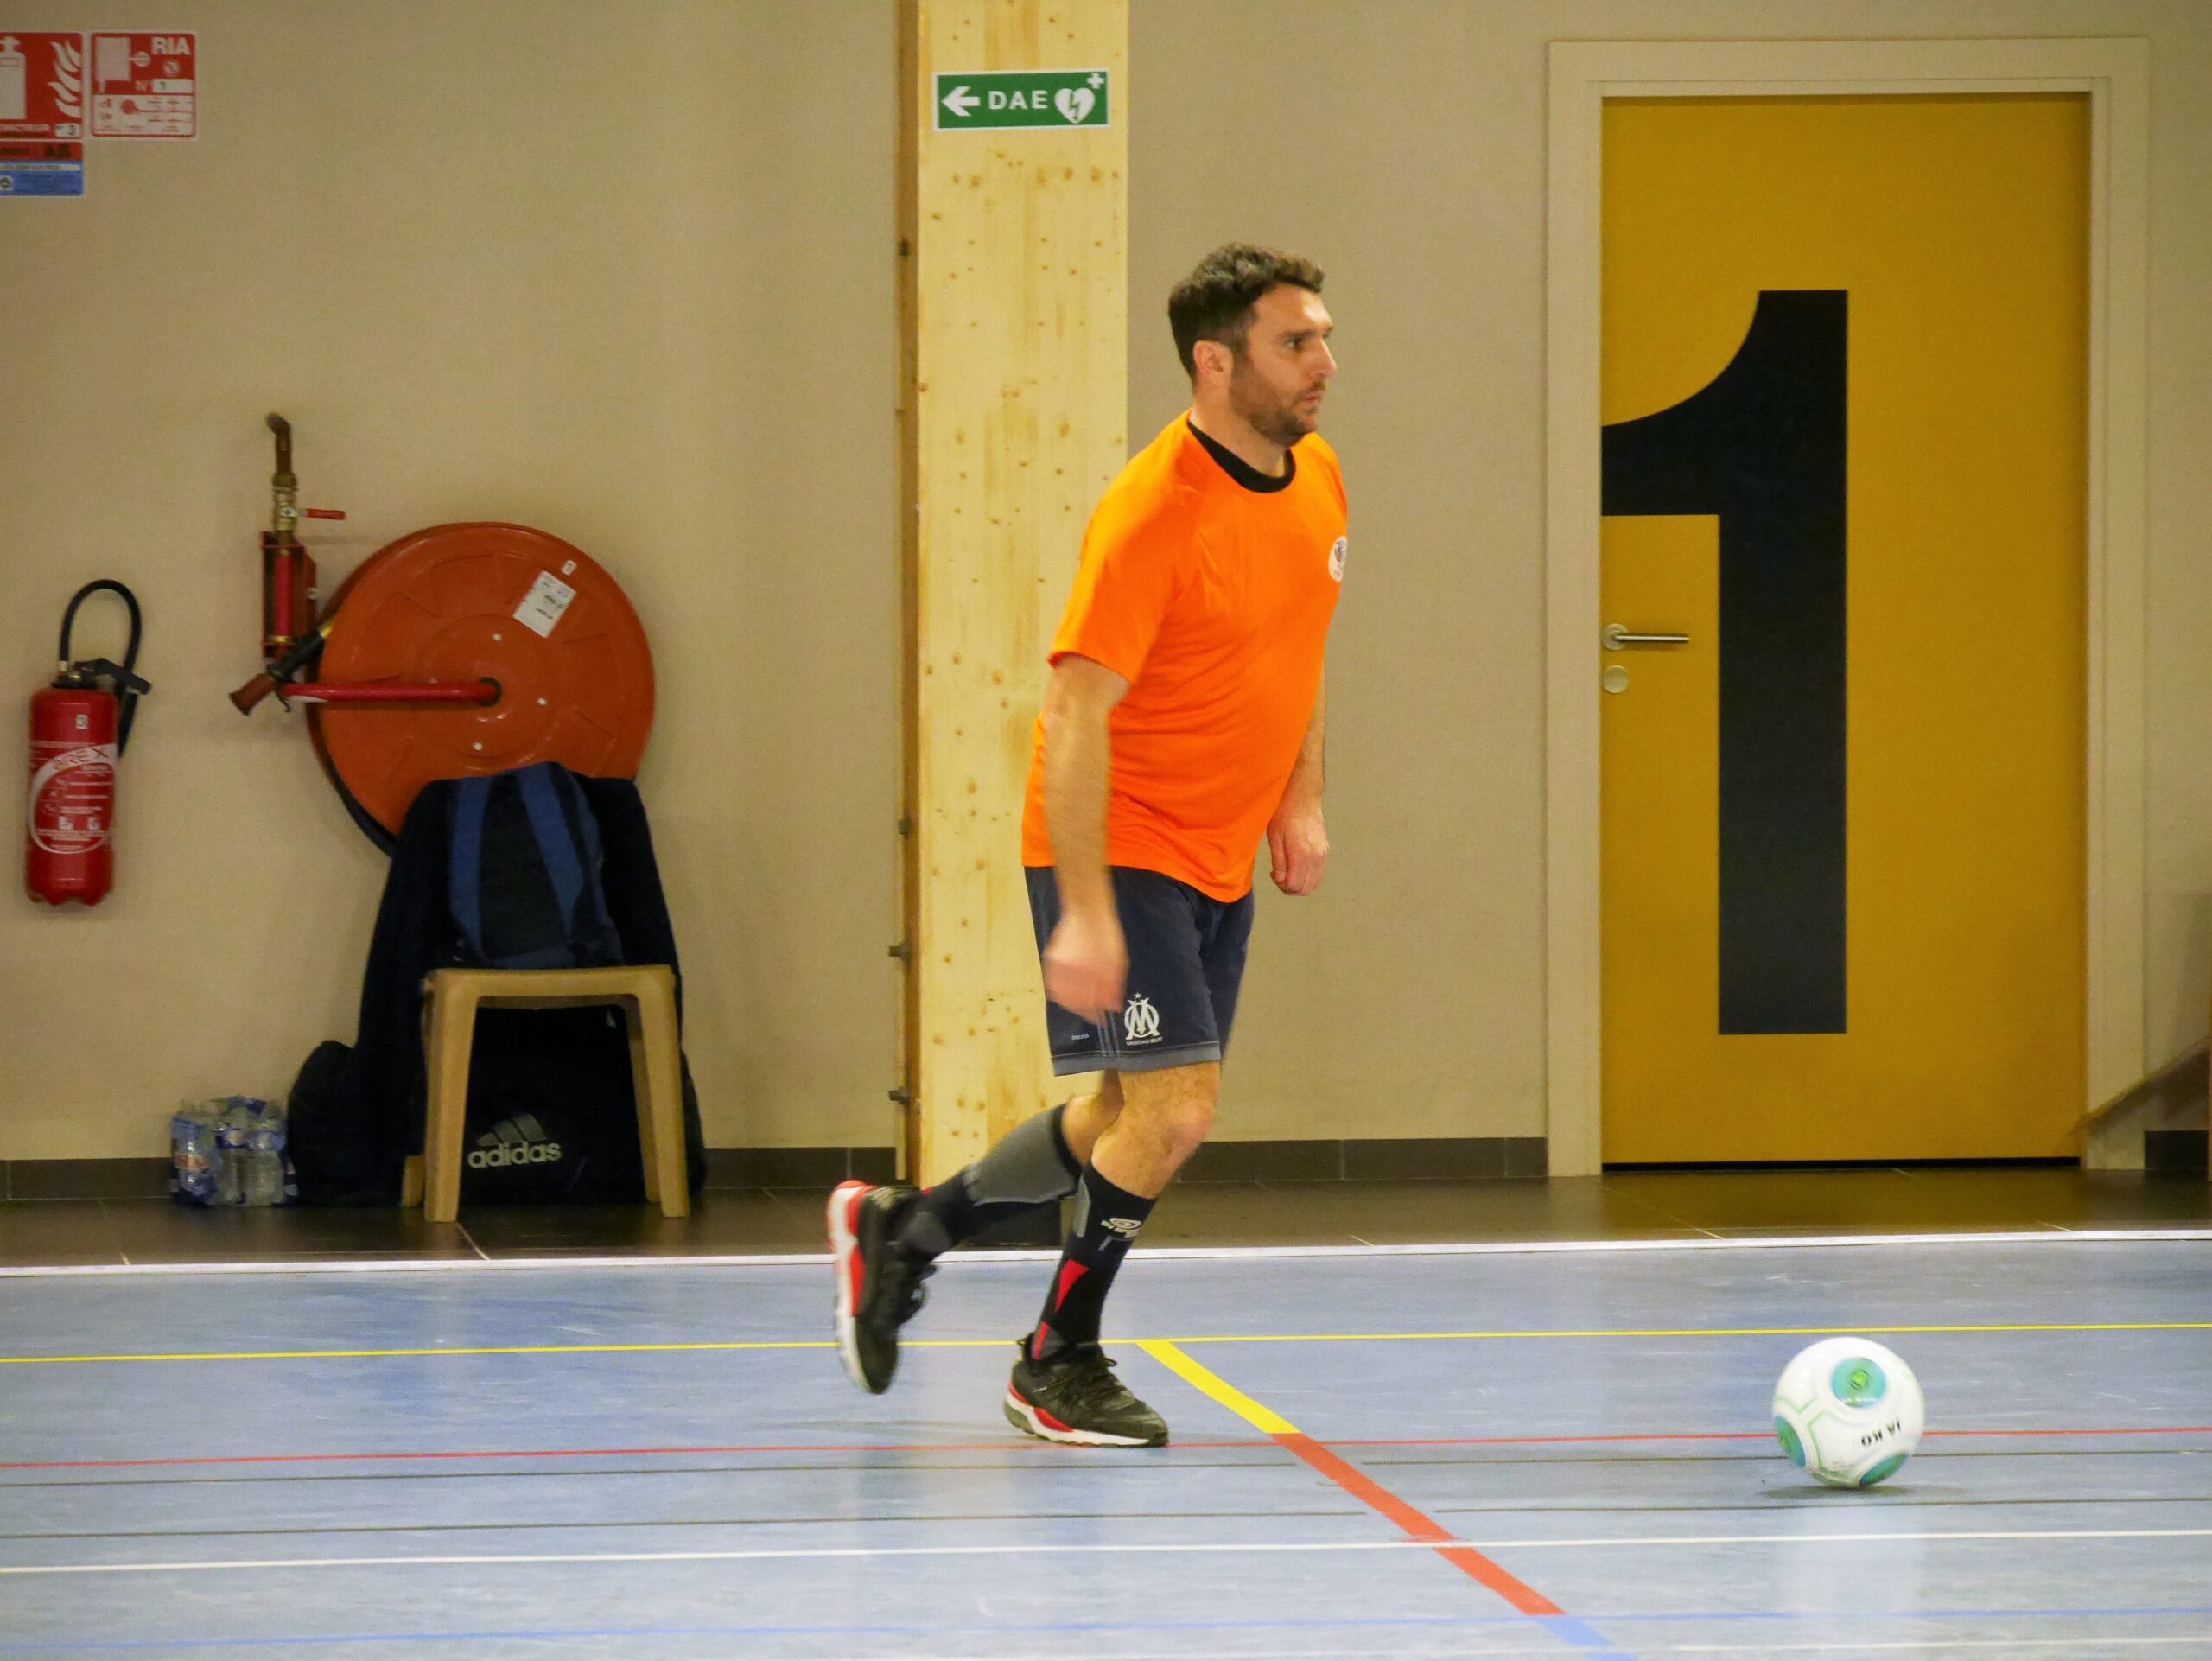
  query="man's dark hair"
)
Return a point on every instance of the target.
[{"x": 1214, "y": 302}]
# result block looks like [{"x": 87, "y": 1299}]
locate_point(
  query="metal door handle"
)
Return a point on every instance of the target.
[{"x": 1617, "y": 637}]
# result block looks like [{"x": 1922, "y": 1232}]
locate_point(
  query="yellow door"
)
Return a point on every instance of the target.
[{"x": 1844, "y": 361}]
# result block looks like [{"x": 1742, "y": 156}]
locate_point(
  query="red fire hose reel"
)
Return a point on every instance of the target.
[{"x": 461, "y": 649}]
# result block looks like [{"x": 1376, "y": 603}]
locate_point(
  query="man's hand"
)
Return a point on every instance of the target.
[
  {"x": 1087, "y": 963},
  {"x": 1298, "y": 847}
]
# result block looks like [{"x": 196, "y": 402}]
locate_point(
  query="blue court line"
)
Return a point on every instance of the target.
[
  {"x": 937, "y": 1629},
  {"x": 1572, "y": 1629}
]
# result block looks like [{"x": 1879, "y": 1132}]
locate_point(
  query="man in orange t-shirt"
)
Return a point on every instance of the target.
[{"x": 1183, "y": 723}]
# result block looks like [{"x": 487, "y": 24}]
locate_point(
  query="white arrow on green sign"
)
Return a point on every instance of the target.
[{"x": 1022, "y": 98}]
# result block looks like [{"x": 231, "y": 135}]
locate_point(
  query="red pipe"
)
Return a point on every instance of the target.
[
  {"x": 479, "y": 692},
  {"x": 280, "y": 601}
]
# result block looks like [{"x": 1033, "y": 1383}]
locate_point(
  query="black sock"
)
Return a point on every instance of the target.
[
  {"x": 1030, "y": 1166},
  {"x": 1106, "y": 1219}
]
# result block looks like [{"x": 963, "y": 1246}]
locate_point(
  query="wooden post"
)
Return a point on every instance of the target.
[{"x": 1014, "y": 302}]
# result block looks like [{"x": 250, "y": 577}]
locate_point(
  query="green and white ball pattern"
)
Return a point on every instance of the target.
[{"x": 1848, "y": 1411}]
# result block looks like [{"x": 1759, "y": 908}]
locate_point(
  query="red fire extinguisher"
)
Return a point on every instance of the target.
[{"x": 79, "y": 727}]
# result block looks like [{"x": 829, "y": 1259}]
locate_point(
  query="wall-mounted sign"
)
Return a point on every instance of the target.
[
  {"x": 145, "y": 85},
  {"x": 1023, "y": 97},
  {"x": 41, "y": 114}
]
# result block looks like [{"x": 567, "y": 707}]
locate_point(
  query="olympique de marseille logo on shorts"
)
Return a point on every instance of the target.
[
  {"x": 1336, "y": 558},
  {"x": 1140, "y": 1020}
]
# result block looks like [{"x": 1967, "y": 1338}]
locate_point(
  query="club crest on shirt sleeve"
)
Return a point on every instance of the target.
[{"x": 1336, "y": 558}]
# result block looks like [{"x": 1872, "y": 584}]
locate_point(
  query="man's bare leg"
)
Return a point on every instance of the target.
[
  {"x": 1163, "y": 1119},
  {"x": 1086, "y": 1118}
]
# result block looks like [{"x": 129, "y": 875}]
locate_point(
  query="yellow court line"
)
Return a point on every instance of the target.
[
  {"x": 1705, "y": 1332},
  {"x": 450, "y": 1351},
  {"x": 1260, "y": 1416},
  {"x": 446, "y": 1353}
]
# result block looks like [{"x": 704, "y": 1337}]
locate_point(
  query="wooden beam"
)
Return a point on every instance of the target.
[{"x": 1015, "y": 319}]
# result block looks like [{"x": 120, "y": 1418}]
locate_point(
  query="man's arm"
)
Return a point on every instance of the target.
[
  {"x": 1086, "y": 960},
  {"x": 1297, "y": 842}
]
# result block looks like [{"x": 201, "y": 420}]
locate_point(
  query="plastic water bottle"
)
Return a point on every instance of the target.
[
  {"x": 264, "y": 1166},
  {"x": 231, "y": 1153},
  {"x": 193, "y": 1158}
]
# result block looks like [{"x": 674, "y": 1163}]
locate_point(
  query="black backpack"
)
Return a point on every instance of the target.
[{"x": 523, "y": 875}]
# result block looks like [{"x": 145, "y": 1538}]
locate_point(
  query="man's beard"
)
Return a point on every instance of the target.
[{"x": 1256, "y": 406}]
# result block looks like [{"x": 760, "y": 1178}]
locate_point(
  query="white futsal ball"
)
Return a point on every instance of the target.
[{"x": 1849, "y": 1411}]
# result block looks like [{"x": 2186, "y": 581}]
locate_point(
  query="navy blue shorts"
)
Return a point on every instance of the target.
[{"x": 1186, "y": 960}]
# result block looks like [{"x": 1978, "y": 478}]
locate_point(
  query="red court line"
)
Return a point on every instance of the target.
[
  {"x": 1004, "y": 1444},
  {"x": 1419, "y": 1525},
  {"x": 553, "y": 1453}
]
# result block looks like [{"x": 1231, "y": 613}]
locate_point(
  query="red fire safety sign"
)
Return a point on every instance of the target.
[
  {"x": 41, "y": 87},
  {"x": 145, "y": 85},
  {"x": 41, "y": 114}
]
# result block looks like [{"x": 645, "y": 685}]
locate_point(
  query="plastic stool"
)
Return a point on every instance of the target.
[{"x": 648, "y": 995}]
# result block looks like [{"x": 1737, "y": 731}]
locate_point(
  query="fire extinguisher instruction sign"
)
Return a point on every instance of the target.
[
  {"x": 41, "y": 114},
  {"x": 145, "y": 85},
  {"x": 71, "y": 787}
]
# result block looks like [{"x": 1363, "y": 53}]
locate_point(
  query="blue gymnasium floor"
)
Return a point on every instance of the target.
[{"x": 1491, "y": 1452}]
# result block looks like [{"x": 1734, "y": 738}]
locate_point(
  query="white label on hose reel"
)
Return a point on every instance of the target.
[{"x": 542, "y": 607}]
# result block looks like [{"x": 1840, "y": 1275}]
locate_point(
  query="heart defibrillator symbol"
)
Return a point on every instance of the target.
[{"x": 1074, "y": 103}]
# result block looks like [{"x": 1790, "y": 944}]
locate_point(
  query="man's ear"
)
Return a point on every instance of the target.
[{"x": 1212, "y": 359}]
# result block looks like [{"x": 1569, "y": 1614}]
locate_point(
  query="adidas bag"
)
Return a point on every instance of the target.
[{"x": 552, "y": 1108}]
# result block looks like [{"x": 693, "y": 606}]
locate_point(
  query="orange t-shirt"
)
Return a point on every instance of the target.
[{"x": 1213, "y": 602}]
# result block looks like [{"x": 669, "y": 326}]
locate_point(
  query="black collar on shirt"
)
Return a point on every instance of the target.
[{"x": 1241, "y": 470}]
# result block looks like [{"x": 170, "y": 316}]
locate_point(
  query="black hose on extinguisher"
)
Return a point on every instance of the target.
[{"x": 127, "y": 686}]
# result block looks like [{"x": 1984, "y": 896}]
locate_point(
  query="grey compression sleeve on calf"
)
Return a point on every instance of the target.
[{"x": 1030, "y": 1166}]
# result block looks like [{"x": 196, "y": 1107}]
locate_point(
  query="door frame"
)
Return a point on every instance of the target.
[{"x": 2114, "y": 73}]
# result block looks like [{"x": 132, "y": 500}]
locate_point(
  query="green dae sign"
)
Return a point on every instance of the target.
[{"x": 1022, "y": 98}]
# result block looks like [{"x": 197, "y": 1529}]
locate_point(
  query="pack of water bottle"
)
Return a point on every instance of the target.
[{"x": 229, "y": 1150}]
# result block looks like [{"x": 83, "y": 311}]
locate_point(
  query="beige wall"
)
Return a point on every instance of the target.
[
  {"x": 629, "y": 281},
  {"x": 621, "y": 270},
  {"x": 1401, "y": 143}
]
